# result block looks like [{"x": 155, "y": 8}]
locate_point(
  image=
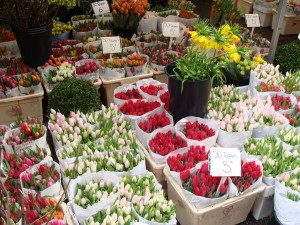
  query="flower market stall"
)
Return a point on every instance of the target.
[{"x": 145, "y": 112}]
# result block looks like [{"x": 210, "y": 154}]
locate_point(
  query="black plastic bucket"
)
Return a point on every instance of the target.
[
  {"x": 125, "y": 33},
  {"x": 192, "y": 100},
  {"x": 34, "y": 45}
]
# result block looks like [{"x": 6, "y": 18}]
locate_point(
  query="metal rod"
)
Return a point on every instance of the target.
[{"x": 277, "y": 29}]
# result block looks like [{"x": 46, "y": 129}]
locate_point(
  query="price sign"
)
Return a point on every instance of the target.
[
  {"x": 170, "y": 29},
  {"x": 111, "y": 44},
  {"x": 252, "y": 20},
  {"x": 225, "y": 162},
  {"x": 100, "y": 7}
]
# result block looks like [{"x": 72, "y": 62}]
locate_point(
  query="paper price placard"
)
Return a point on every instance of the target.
[
  {"x": 225, "y": 162},
  {"x": 170, "y": 29},
  {"x": 100, "y": 7},
  {"x": 252, "y": 20},
  {"x": 111, "y": 44}
]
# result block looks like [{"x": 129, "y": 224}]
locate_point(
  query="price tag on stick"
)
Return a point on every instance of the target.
[
  {"x": 100, "y": 7},
  {"x": 252, "y": 20},
  {"x": 225, "y": 162},
  {"x": 170, "y": 29},
  {"x": 111, "y": 44}
]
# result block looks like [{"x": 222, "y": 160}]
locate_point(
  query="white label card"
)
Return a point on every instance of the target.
[
  {"x": 111, "y": 44},
  {"x": 100, "y": 7},
  {"x": 299, "y": 36},
  {"x": 225, "y": 162},
  {"x": 170, "y": 29},
  {"x": 252, "y": 20}
]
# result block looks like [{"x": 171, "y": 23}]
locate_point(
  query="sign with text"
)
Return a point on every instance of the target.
[
  {"x": 225, "y": 162},
  {"x": 111, "y": 44},
  {"x": 100, "y": 7},
  {"x": 252, "y": 20},
  {"x": 170, "y": 29}
]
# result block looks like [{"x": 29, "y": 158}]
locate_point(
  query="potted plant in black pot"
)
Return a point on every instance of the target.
[
  {"x": 190, "y": 77},
  {"x": 31, "y": 22}
]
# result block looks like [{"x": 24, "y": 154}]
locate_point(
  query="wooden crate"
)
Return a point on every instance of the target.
[
  {"x": 290, "y": 24},
  {"x": 231, "y": 211},
  {"x": 27, "y": 105},
  {"x": 245, "y": 6},
  {"x": 108, "y": 86}
]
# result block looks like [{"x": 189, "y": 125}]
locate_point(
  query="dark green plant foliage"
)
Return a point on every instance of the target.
[
  {"x": 287, "y": 56},
  {"x": 72, "y": 95}
]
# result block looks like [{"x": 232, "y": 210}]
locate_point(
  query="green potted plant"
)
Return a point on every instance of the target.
[
  {"x": 190, "y": 77},
  {"x": 31, "y": 22}
]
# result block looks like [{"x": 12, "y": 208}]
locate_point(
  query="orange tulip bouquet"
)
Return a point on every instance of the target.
[{"x": 128, "y": 13}]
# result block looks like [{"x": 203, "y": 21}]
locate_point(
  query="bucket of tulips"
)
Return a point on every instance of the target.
[
  {"x": 64, "y": 71},
  {"x": 287, "y": 196},
  {"x": 37, "y": 210},
  {"x": 160, "y": 59},
  {"x": 9, "y": 86},
  {"x": 60, "y": 30},
  {"x": 17, "y": 67},
  {"x": 92, "y": 193},
  {"x": 146, "y": 125},
  {"x": 43, "y": 178},
  {"x": 85, "y": 29},
  {"x": 151, "y": 89},
  {"x": 93, "y": 48},
  {"x": 87, "y": 69},
  {"x": 264, "y": 89},
  {"x": 120, "y": 213},
  {"x": 128, "y": 45},
  {"x": 198, "y": 131},
  {"x": 290, "y": 136},
  {"x": 166, "y": 16},
  {"x": 201, "y": 189},
  {"x": 134, "y": 109},
  {"x": 30, "y": 83},
  {"x": 26, "y": 135},
  {"x": 136, "y": 64},
  {"x": 283, "y": 103},
  {"x": 251, "y": 177},
  {"x": 291, "y": 83},
  {"x": 124, "y": 93},
  {"x": 112, "y": 69},
  {"x": 155, "y": 209},
  {"x": 185, "y": 159},
  {"x": 270, "y": 121}
]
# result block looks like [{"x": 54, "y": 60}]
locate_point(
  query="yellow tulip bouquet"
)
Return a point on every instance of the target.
[{"x": 223, "y": 42}]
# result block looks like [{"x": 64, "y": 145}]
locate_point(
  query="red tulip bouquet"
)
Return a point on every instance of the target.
[
  {"x": 151, "y": 89},
  {"x": 157, "y": 121},
  {"x": 124, "y": 93},
  {"x": 251, "y": 178},
  {"x": 87, "y": 69},
  {"x": 198, "y": 131},
  {"x": 201, "y": 189},
  {"x": 43, "y": 178}
]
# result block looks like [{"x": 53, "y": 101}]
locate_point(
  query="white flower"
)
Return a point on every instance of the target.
[{"x": 83, "y": 201}]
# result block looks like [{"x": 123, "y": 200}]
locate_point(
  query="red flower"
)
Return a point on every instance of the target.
[
  {"x": 166, "y": 100},
  {"x": 129, "y": 94},
  {"x": 281, "y": 103},
  {"x": 196, "y": 131},
  {"x": 139, "y": 107},
  {"x": 155, "y": 122},
  {"x": 187, "y": 160},
  {"x": 164, "y": 143},
  {"x": 87, "y": 67},
  {"x": 151, "y": 89}
]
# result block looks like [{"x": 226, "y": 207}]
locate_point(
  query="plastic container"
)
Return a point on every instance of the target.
[
  {"x": 245, "y": 6},
  {"x": 231, "y": 211},
  {"x": 264, "y": 204},
  {"x": 290, "y": 24},
  {"x": 108, "y": 86},
  {"x": 265, "y": 15},
  {"x": 27, "y": 105}
]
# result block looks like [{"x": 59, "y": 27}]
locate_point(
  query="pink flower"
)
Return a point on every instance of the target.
[
  {"x": 229, "y": 128},
  {"x": 27, "y": 161},
  {"x": 26, "y": 177}
]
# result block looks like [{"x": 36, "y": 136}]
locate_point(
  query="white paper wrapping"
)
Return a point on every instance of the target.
[
  {"x": 147, "y": 25},
  {"x": 208, "y": 142},
  {"x": 83, "y": 214},
  {"x": 53, "y": 190},
  {"x": 123, "y": 88},
  {"x": 12, "y": 92},
  {"x": 31, "y": 90},
  {"x": 233, "y": 139},
  {"x": 150, "y": 81},
  {"x": 80, "y": 35}
]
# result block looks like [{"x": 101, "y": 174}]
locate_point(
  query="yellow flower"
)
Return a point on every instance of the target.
[
  {"x": 259, "y": 59},
  {"x": 225, "y": 29},
  {"x": 229, "y": 48},
  {"x": 212, "y": 45},
  {"x": 235, "y": 57},
  {"x": 200, "y": 41},
  {"x": 235, "y": 39}
]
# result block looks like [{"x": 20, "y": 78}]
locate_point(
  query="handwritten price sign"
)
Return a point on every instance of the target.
[
  {"x": 225, "y": 162},
  {"x": 111, "y": 44},
  {"x": 252, "y": 20},
  {"x": 170, "y": 29},
  {"x": 100, "y": 7}
]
